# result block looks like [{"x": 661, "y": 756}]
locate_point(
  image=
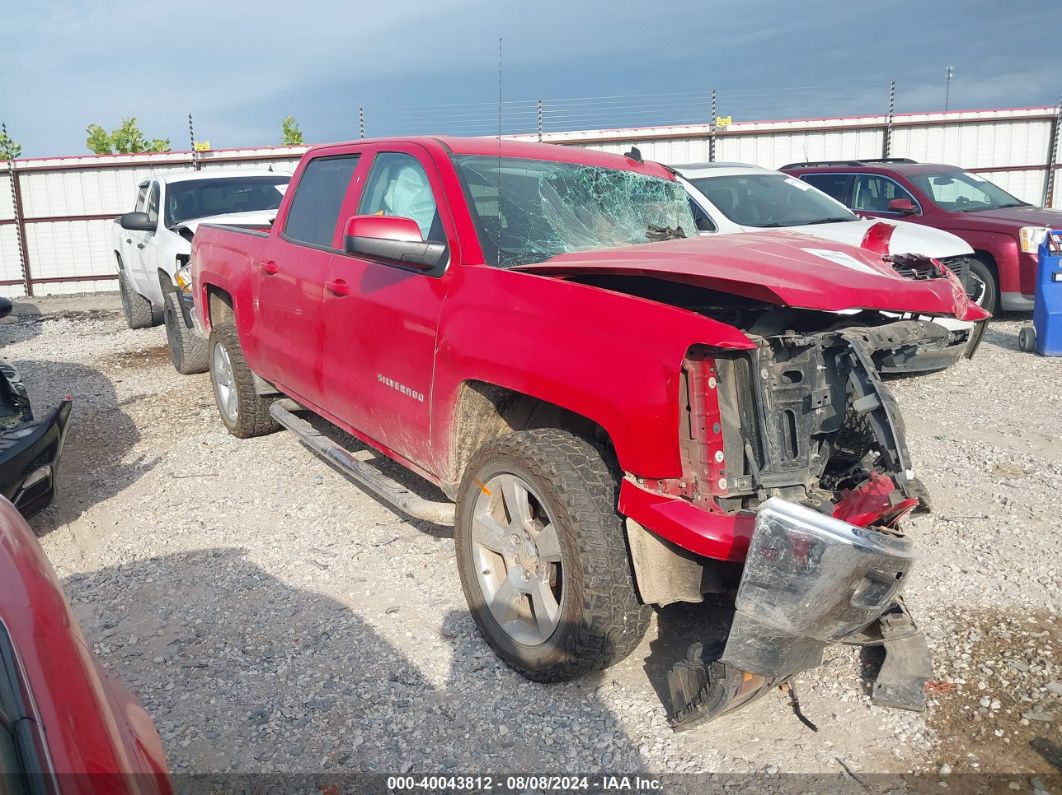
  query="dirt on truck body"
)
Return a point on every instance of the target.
[{"x": 624, "y": 416}]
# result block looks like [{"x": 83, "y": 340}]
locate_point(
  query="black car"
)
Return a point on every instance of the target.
[{"x": 29, "y": 448}]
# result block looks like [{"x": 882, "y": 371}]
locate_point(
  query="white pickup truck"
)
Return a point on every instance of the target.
[{"x": 152, "y": 245}]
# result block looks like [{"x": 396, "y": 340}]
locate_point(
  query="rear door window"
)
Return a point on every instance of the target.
[
  {"x": 835, "y": 185},
  {"x": 314, "y": 210}
]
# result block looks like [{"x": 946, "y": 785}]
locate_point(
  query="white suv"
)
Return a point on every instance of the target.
[
  {"x": 732, "y": 197},
  {"x": 728, "y": 198}
]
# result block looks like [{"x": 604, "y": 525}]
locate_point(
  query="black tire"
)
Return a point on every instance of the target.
[
  {"x": 601, "y": 620},
  {"x": 1027, "y": 339},
  {"x": 137, "y": 308},
  {"x": 188, "y": 350},
  {"x": 252, "y": 417},
  {"x": 986, "y": 296}
]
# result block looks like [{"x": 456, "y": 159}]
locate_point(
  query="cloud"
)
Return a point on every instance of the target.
[{"x": 239, "y": 67}]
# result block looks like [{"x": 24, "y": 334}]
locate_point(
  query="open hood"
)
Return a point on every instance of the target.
[{"x": 783, "y": 268}]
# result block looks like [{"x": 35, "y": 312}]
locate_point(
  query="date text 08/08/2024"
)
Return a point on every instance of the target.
[{"x": 514, "y": 784}]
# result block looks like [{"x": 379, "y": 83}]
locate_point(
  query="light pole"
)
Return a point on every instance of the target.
[{"x": 948, "y": 74}]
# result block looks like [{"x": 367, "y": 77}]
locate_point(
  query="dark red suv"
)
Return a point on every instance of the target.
[{"x": 1004, "y": 232}]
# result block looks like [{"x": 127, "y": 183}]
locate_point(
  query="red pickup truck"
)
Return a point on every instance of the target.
[{"x": 624, "y": 415}]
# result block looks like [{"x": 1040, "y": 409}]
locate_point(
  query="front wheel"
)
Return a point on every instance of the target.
[
  {"x": 136, "y": 308},
  {"x": 982, "y": 288},
  {"x": 543, "y": 557},
  {"x": 188, "y": 350}
]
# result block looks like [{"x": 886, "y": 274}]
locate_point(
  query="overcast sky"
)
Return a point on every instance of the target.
[{"x": 423, "y": 66}]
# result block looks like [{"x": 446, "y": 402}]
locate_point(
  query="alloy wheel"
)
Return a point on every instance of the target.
[{"x": 517, "y": 555}]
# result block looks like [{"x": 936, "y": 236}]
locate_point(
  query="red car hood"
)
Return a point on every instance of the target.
[
  {"x": 1017, "y": 216},
  {"x": 776, "y": 267}
]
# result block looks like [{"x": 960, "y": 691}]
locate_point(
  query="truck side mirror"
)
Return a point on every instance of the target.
[
  {"x": 393, "y": 241},
  {"x": 904, "y": 206},
  {"x": 136, "y": 222}
]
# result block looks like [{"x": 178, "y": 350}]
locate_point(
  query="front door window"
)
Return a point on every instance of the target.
[{"x": 399, "y": 186}]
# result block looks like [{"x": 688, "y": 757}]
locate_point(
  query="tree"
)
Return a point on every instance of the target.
[
  {"x": 290, "y": 129},
  {"x": 9, "y": 150},
  {"x": 123, "y": 140},
  {"x": 99, "y": 140}
]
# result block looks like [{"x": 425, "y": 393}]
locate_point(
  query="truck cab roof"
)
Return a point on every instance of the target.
[{"x": 527, "y": 150}]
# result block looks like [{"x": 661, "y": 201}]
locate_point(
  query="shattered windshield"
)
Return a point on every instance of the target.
[{"x": 530, "y": 210}]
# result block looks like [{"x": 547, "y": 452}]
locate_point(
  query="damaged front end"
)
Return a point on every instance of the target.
[
  {"x": 29, "y": 448},
  {"x": 801, "y": 434}
]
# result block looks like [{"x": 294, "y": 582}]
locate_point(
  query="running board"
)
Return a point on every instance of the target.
[{"x": 361, "y": 472}]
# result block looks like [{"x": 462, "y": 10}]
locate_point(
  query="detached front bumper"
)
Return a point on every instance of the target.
[
  {"x": 29, "y": 460},
  {"x": 809, "y": 580}
]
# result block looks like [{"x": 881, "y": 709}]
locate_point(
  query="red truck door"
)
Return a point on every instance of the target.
[
  {"x": 380, "y": 319},
  {"x": 292, "y": 273}
]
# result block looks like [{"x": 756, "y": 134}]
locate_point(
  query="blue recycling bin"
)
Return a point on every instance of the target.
[{"x": 1047, "y": 307}]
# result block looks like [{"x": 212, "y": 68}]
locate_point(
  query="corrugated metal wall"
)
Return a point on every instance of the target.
[
  {"x": 1009, "y": 147},
  {"x": 10, "y": 263},
  {"x": 68, "y": 203}
]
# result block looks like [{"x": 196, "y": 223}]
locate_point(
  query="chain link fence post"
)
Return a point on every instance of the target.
[
  {"x": 191, "y": 138},
  {"x": 1052, "y": 156},
  {"x": 711, "y": 130},
  {"x": 20, "y": 226},
  {"x": 886, "y": 143},
  {"x": 361, "y": 121}
]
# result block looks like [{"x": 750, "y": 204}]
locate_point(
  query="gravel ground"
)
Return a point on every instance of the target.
[{"x": 273, "y": 617}]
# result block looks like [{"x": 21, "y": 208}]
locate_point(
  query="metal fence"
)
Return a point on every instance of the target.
[
  {"x": 1015, "y": 148},
  {"x": 55, "y": 212}
]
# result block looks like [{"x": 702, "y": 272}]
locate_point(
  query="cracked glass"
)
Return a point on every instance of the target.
[{"x": 530, "y": 210}]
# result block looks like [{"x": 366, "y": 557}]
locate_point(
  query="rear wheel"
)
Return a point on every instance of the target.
[
  {"x": 137, "y": 308},
  {"x": 188, "y": 350},
  {"x": 244, "y": 412},
  {"x": 543, "y": 557}
]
